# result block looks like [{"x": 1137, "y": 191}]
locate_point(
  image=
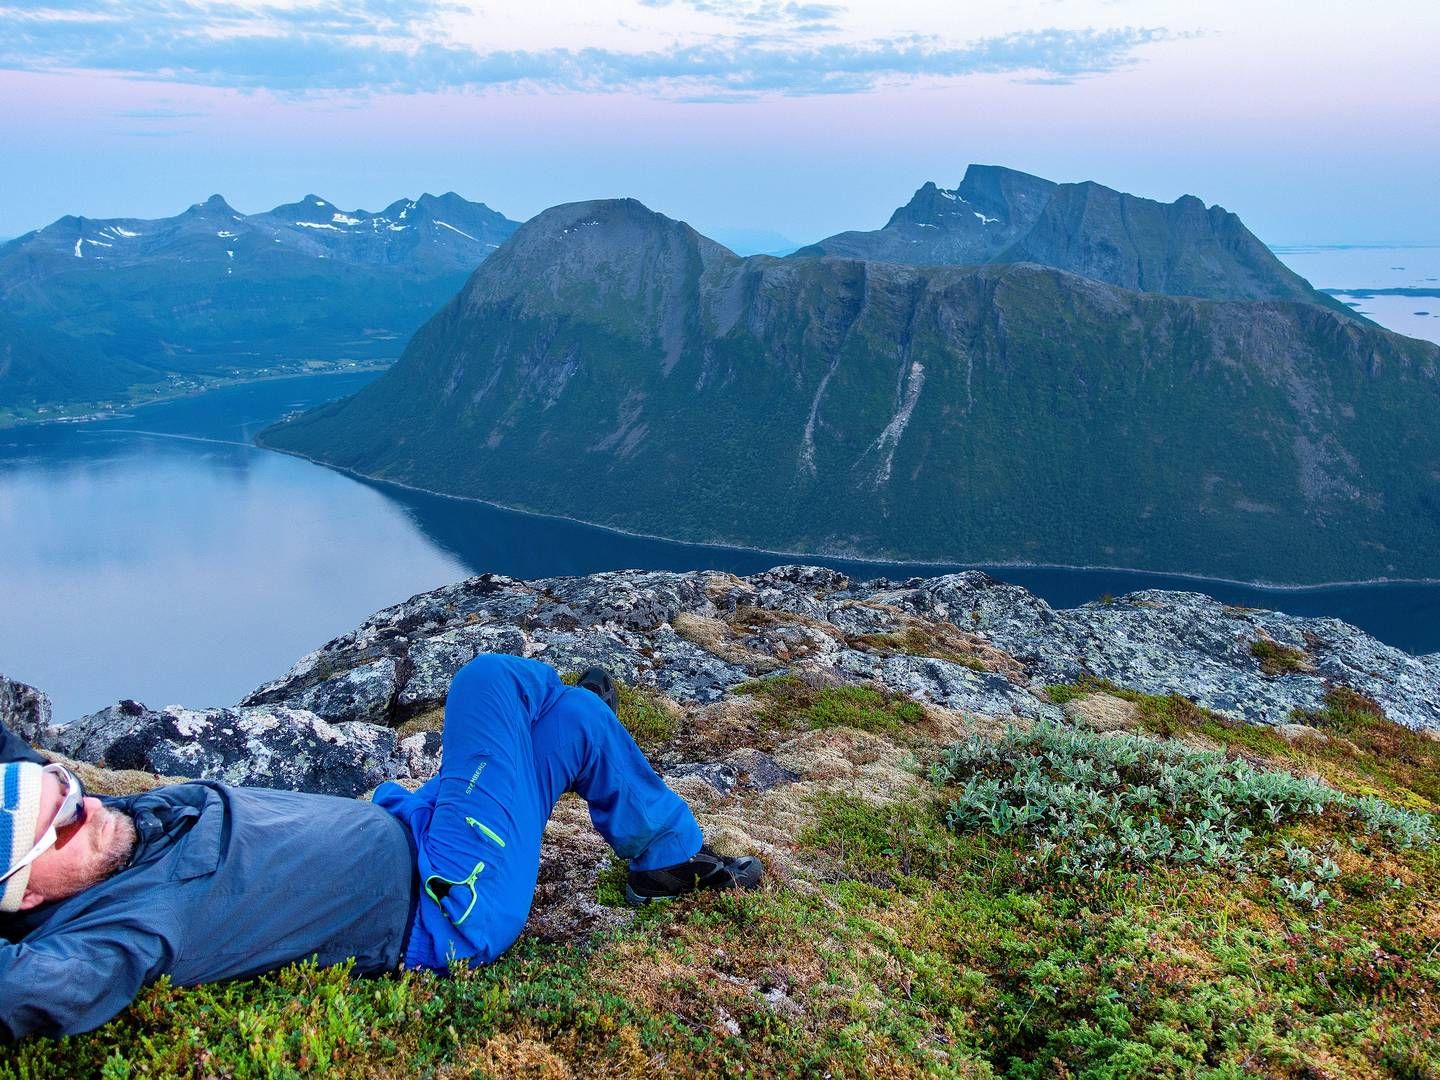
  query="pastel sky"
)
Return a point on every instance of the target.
[{"x": 1316, "y": 121}]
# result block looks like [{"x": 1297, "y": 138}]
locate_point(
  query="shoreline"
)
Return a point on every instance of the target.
[
  {"x": 940, "y": 567},
  {"x": 127, "y": 410}
]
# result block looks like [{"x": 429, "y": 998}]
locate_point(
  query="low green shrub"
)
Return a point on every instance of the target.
[{"x": 1093, "y": 802}]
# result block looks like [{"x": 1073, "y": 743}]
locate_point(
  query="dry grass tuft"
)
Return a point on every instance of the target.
[
  {"x": 725, "y": 725},
  {"x": 429, "y": 720},
  {"x": 520, "y": 1053},
  {"x": 1104, "y": 712},
  {"x": 100, "y": 781},
  {"x": 715, "y": 637},
  {"x": 943, "y": 641}
]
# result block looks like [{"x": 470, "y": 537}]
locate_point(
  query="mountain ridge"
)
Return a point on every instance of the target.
[
  {"x": 1000, "y": 215},
  {"x": 114, "y": 308}
]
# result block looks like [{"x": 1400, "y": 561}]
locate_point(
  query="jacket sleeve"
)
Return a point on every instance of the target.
[{"x": 66, "y": 983}]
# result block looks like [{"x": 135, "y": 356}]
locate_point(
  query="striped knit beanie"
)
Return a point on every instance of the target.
[{"x": 19, "y": 814}]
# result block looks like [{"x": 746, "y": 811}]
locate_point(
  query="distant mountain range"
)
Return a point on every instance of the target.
[
  {"x": 999, "y": 215},
  {"x": 613, "y": 365},
  {"x": 93, "y": 308}
]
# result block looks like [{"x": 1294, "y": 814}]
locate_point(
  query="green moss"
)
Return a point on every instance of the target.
[
  {"x": 610, "y": 887},
  {"x": 882, "y": 842},
  {"x": 1064, "y": 693},
  {"x": 1159, "y": 714},
  {"x": 1401, "y": 763},
  {"x": 925, "y": 953},
  {"x": 1277, "y": 659},
  {"x": 794, "y": 704},
  {"x": 1179, "y": 971},
  {"x": 913, "y": 948},
  {"x": 645, "y": 716}
]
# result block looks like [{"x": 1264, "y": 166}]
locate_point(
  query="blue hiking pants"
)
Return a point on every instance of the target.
[{"x": 516, "y": 739}]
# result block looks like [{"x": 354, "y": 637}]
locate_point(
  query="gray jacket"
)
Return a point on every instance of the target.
[{"x": 225, "y": 883}]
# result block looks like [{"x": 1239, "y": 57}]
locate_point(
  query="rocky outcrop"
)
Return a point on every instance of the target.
[
  {"x": 24, "y": 710},
  {"x": 693, "y": 636},
  {"x": 1185, "y": 643},
  {"x": 362, "y": 708}
]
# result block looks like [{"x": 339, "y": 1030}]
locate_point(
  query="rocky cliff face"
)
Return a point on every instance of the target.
[
  {"x": 364, "y": 707},
  {"x": 610, "y": 364},
  {"x": 998, "y": 215}
]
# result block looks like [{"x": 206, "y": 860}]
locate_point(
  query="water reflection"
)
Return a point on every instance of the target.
[{"x": 179, "y": 570}]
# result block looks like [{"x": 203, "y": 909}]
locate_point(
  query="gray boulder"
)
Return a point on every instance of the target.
[
  {"x": 260, "y": 746},
  {"x": 364, "y": 693},
  {"x": 25, "y": 711}
]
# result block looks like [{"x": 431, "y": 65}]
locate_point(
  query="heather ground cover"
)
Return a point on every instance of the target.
[{"x": 949, "y": 896}]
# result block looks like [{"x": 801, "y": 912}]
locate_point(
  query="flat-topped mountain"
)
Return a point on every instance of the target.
[
  {"x": 98, "y": 307},
  {"x": 613, "y": 365},
  {"x": 999, "y": 215}
]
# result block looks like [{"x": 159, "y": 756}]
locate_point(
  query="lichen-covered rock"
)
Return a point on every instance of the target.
[
  {"x": 24, "y": 710},
  {"x": 432, "y": 662},
  {"x": 759, "y": 770},
  {"x": 719, "y": 775},
  {"x": 964, "y": 642},
  {"x": 633, "y": 599},
  {"x": 693, "y": 636},
  {"x": 263, "y": 746},
  {"x": 365, "y": 693},
  {"x": 946, "y": 683},
  {"x": 421, "y": 752}
]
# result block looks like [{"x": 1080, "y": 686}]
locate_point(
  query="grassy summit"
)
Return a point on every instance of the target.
[{"x": 1147, "y": 889}]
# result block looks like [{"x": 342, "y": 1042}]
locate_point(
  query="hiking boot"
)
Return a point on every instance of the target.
[
  {"x": 705, "y": 870},
  {"x": 597, "y": 680}
]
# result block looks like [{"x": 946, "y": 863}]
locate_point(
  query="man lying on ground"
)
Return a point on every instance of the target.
[{"x": 205, "y": 882}]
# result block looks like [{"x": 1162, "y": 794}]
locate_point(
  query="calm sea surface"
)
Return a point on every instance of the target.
[
  {"x": 162, "y": 557},
  {"x": 1360, "y": 267}
]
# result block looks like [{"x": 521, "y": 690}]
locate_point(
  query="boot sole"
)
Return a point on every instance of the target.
[{"x": 634, "y": 899}]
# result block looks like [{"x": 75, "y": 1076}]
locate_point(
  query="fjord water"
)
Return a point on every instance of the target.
[{"x": 160, "y": 556}]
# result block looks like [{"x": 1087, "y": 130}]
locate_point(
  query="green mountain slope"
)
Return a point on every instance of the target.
[
  {"x": 100, "y": 307},
  {"x": 613, "y": 365},
  {"x": 29, "y": 372}
]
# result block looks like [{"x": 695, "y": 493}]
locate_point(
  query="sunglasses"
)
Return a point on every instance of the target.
[{"x": 71, "y": 812}]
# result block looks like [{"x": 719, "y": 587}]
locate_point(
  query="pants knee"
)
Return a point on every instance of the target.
[{"x": 483, "y": 668}]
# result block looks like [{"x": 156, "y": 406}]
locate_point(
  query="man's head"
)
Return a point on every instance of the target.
[{"x": 71, "y": 840}]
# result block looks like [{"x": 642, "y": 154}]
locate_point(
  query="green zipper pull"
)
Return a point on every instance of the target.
[{"x": 491, "y": 833}]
